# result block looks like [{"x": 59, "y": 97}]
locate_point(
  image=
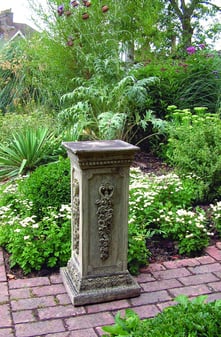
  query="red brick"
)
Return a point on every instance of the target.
[
  {"x": 160, "y": 285},
  {"x": 108, "y": 306},
  {"x": 56, "y": 278},
  {"x": 63, "y": 299},
  {"x": 191, "y": 290},
  {"x": 6, "y": 333},
  {"x": 151, "y": 297},
  {"x": 205, "y": 259},
  {"x": 198, "y": 279},
  {"x": 1, "y": 257},
  {"x": 23, "y": 316},
  {"x": 144, "y": 277},
  {"x": 39, "y": 328},
  {"x": 209, "y": 268},
  {"x": 216, "y": 286},
  {"x": 3, "y": 277},
  {"x": 100, "y": 332},
  {"x": 181, "y": 263},
  {"x": 59, "y": 334},
  {"x": 19, "y": 293},
  {"x": 153, "y": 267},
  {"x": 171, "y": 273},
  {"x": 5, "y": 317},
  {"x": 78, "y": 333},
  {"x": 218, "y": 274},
  {"x": 3, "y": 292},
  {"x": 52, "y": 289},
  {"x": 60, "y": 311},
  {"x": 167, "y": 304},
  {"x": 214, "y": 297},
  {"x": 218, "y": 245},
  {"x": 29, "y": 282},
  {"x": 146, "y": 311},
  {"x": 89, "y": 321},
  {"x": 33, "y": 303},
  {"x": 83, "y": 333},
  {"x": 214, "y": 252}
]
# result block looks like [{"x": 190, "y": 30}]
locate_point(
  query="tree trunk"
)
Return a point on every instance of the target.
[{"x": 187, "y": 31}]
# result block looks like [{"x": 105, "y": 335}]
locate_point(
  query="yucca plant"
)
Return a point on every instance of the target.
[{"x": 27, "y": 149}]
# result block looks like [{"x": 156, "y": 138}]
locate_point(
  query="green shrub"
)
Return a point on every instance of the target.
[
  {"x": 157, "y": 205},
  {"x": 48, "y": 186},
  {"x": 33, "y": 242},
  {"x": 194, "y": 147},
  {"x": 190, "y": 318},
  {"x": 138, "y": 253}
]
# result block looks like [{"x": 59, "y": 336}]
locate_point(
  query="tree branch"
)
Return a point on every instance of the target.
[
  {"x": 211, "y": 4},
  {"x": 176, "y": 8}
]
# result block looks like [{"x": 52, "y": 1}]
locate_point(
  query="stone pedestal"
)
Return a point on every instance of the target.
[{"x": 97, "y": 270}]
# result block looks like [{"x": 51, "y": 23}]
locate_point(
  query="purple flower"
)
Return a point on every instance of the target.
[
  {"x": 60, "y": 10},
  {"x": 74, "y": 3},
  {"x": 202, "y": 46},
  {"x": 191, "y": 50}
]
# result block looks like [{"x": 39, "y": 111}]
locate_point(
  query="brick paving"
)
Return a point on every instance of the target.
[{"x": 41, "y": 307}]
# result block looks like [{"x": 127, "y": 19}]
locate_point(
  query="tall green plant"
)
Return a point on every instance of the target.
[
  {"x": 191, "y": 81},
  {"x": 108, "y": 110},
  {"x": 27, "y": 150}
]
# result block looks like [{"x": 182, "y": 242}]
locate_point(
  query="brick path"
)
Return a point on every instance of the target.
[{"x": 40, "y": 306}]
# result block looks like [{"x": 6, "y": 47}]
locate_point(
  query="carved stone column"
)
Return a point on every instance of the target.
[{"x": 97, "y": 270}]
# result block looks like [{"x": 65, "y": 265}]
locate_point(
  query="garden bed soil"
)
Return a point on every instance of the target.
[{"x": 161, "y": 249}]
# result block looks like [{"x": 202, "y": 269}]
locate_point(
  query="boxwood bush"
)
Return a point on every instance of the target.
[{"x": 48, "y": 186}]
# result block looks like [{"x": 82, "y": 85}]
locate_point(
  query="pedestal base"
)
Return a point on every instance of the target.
[{"x": 111, "y": 287}]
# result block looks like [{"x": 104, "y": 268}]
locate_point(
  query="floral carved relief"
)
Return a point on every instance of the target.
[
  {"x": 105, "y": 218},
  {"x": 75, "y": 214}
]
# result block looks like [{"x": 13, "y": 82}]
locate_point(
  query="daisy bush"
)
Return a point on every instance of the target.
[
  {"x": 188, "y": 228},
  {"x": 160, "y": 205},
  {"x": 33, "y": 244},
  {"x": 215, "y": 210}
]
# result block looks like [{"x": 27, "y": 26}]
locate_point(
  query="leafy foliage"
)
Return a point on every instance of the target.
[
  {"x": 193, "y": 318},
  {"x": 103, "y": 110},
  {"x": 194, "y": 148},
  {"x": 158, "y": 205},
  {"x": 34, "y": 243},
  {"x": 26, "y": 150},
  {"x": 48, "y": 186},
  {"x": 187, "y": 82}
]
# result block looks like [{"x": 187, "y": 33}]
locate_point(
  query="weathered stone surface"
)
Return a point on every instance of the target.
[{"x": 97, "y": 270}]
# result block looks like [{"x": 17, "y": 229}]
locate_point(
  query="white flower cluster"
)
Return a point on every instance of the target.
[
  {"x": 216, "y": 209},
  {"x": 191, "y": 220}
]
